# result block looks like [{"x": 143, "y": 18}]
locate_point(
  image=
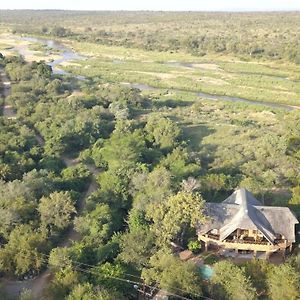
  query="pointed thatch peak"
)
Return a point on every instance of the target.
[
  {"x": 242, "y": 197},
  {"x": 242, "y": 211}
]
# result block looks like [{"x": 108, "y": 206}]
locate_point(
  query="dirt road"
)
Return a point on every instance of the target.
[{"x": 37, "y": 285}]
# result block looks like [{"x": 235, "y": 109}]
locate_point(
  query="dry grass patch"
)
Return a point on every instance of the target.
[
  {"x": 213, "y": 67},
  {"x": 214, "y": 81}
]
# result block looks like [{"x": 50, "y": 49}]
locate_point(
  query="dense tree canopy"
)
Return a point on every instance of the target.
[
  {"x": 56, "y": 210},
  {"x": 230, "y": 282},
  {"x": 173, "y": 275},
  {"x": 283, "y": 282},
  {"x": 176, "y": 216},
  {"x": 104, "y": 179}
]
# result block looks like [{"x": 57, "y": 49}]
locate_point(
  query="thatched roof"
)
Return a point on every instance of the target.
[{"x": 242, "y": 210}]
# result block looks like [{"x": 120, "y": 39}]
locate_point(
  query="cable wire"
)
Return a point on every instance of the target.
[{"x": 123, "y": 279}]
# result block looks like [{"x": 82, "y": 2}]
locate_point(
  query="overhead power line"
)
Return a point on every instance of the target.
[{"x": 77, "y": 265}]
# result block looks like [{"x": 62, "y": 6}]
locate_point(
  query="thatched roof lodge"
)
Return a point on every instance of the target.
[{"x": 243, "y": 224}]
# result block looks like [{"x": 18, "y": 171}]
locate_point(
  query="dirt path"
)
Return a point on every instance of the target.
[
  {"x": 73, "y": 235},
  {"x": 38, "y": 285},
  {"x": 13, "y": 288},
  {"x": 7, "y": 109}
]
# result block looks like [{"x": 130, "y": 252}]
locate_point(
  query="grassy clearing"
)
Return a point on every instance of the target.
[
  {"x": 114, "y": 52},
  {"x": 220, "y": 75},
  {"x": 267, "y": 81},
  {"x": 5, "y": 46},
  {"x": 37, "y": 47}
]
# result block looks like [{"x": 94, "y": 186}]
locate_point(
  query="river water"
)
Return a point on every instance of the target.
[
  {"x": 68, "y": 55},
  {"x": 144, "y": 87}
]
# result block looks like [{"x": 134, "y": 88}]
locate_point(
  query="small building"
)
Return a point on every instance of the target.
[{"x": 242, "y": 224}]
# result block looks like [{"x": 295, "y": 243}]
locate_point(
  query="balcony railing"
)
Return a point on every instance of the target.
[
  {"x": 281, "y": 243},
  {"x": 213, "y": 236},
  {"x": 243, "y": 241}
]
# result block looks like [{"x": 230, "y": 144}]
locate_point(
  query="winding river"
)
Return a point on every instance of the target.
[
  {"x": 68, "y": 55},
  {"x": 206, "y": 96},
  {"x": 37, "y": 285},
  {"x": 65, "y": 54}
]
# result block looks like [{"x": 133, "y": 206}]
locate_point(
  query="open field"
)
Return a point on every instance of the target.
[
  {"x": 213, "y": 53},
  {"x": 221, "y": 75},
  {"x": 214, "y": 74}
]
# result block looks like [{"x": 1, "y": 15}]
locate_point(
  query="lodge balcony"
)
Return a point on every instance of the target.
[{"x": 247, "y": 243}]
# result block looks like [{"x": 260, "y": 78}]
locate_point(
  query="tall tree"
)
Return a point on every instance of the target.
[
  {"x": 56, "y": 210},
  {"x": 162, "y": 132},
  {"x": 23, "y": 251},
  {"x": 151, "y": 188},
  {"x": 173, "y": 275},
  {"x": 284, "y": 283},
  {"x": 96, "y": 225},
  {"x": 137, "y": 246},
  {"x": 176, "y": 216},
  {"x": 230, "y": 282}
]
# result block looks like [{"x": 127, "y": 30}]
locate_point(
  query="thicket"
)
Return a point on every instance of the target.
[
  {"x": 154, "y": 174},
  {"x": 249, "y": 35}
]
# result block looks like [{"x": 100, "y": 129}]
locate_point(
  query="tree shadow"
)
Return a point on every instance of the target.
[
  {"x": 171, "y": 103},
  {"x": 194, "y": 134}
]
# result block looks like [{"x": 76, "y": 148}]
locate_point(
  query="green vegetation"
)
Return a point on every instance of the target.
[
  {"x": 230, "y": 282},
  {"x": 260, "y": 81},
  {"x": 211, "y": 53},
  {"x": 102, "y": 182},
  {"x": 197, "y": 33}
]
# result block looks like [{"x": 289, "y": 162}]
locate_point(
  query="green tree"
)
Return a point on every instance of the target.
[
  {"x": 230, "y": 282},
  {"x": 294, "y": 202},
  {"x": 23, "y": 251},
  {"x": 44, "y": 70},
  {"x": 63, "y": 282},
  {"x": 104, "y": 274},
  {"x": 284, "y": 283},
  {"x": 162, "y": 132},
  {"x": 75, "y": 177},
  {"x": 26, "y": 295},
  {"x": 124, "y": 149},
  {"x": 179, "y": 164},
  {"x": 83, "y": 292},
  {"x": 13, "y": 213},
  {"x": 137, "y": 246},
  {"x": 151, "y": 188},
  {"x": 173, "y": 275},
  {"x": 60, "y": 31},
  {"x": 88, "y": 292},
  {"x": 96, "y": 225},
  {"x": 179, "y": 214},
  {"x": 114, "y": 187},
  {"x": 56, "y": 210},
  {"x": 258, "y": 270}
]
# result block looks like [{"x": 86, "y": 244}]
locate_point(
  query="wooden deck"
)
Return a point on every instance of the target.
[{"x": 243, "y": 245}]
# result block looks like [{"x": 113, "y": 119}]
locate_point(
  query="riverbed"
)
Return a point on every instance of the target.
[
  {"x": 68, "y": 55},
  {"x": 206, "y": 96}
]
